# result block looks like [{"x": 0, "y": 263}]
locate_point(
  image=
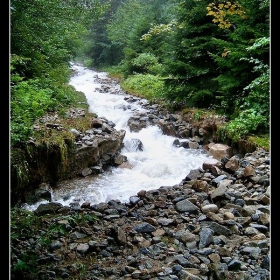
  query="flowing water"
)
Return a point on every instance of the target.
[{"x": 160, "y": 163}]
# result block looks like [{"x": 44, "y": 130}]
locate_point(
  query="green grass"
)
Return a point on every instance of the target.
[
  {"x": 260, "y": 141},
  {"x": 146, "y": 86}
]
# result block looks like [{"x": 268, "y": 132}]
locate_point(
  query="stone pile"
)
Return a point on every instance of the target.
[{"x": 214, "y": 224}]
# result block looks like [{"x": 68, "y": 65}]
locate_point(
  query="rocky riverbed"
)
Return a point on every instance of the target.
[{"x": 214, "y": 224}]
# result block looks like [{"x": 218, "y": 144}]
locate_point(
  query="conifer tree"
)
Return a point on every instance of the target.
[
  {"x": 192, "y": 69},
  {"x": 232, "y": 55}
]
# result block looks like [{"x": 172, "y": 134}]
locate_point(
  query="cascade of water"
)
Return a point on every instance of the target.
[{"x": 154, "y": 159}]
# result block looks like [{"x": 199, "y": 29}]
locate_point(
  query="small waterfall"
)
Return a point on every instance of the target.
[{"x": 153, "y": 158}]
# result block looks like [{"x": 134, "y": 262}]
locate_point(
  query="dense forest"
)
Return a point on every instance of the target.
[
  {"x": 180, "y": 53},
  {"x": 212, "y": 57}
]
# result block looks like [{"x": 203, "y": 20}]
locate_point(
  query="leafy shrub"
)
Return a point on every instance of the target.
[
  {"x": 146, "y": 63},
  {"x": 262, "y": 141},
  {"x": 248, "y": 121},
  {"x": 33, "y": 98},
  {"x": 28, "y": 102}
]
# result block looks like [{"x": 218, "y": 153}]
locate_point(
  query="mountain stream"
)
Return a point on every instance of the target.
[{"x": 160, "y": 163}]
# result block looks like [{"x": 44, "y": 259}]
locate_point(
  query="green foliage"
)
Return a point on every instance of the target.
[
  {"x": 201, "y": 98},
  {"x": 33, "y": 98},
  {"x": 202, "y": 65},
  {"x": 82, "y": 219},
  {"x": 19, "y": 168},
  {"x": 248, "y": 122},
  {"x": 157, "y": 29},
  {"x": 125, "y": 21},
  {"x": 18, "y": 66},
  {"x": 28, "y": 102},
  {"x": 259, "y": 88},
  {"x": 262, "y": 141},
  {"x": 131, "y": 21},
  {"x": 198, "y": 114},
  {"x": 146, "y": 63},
  {"x": 219, "y": 64},
  {"x": 114, "y": 71},
  {"x": 58, "y": 76},
  {"x": 54, "y": 231},
  {"x": 26, "y": 225},
  {"x": 23, "y": 222},
  {"x": 125, "y": 65},
  {"x": 237, "y": 54},
  {"x": 22, "y": 265},
  {"x": 26, "y": 267},
  {"x": 88, "y": 63},
  {"x": 191, "y": 69},
  {"x": 253, "y": 110},
  {"x": 44, "y": 37},
  {"x": 97, "y": 50},
  {"x": 147, "y": 86},
  {"x": 48, "y": 32}
]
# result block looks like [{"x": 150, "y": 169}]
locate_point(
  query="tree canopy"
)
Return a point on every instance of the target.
[
  {"x": 44, "y": 38},
  {"x": 212, "y": 55}
]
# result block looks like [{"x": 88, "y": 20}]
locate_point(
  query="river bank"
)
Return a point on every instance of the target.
[
  {"x": 213, "y": 224},
  {"x": 87, "y": 144}
]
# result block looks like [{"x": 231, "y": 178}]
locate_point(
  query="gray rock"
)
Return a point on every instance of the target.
[
  {"x": 186, "y": 206},
  {"x": 144, "y": 228}
]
